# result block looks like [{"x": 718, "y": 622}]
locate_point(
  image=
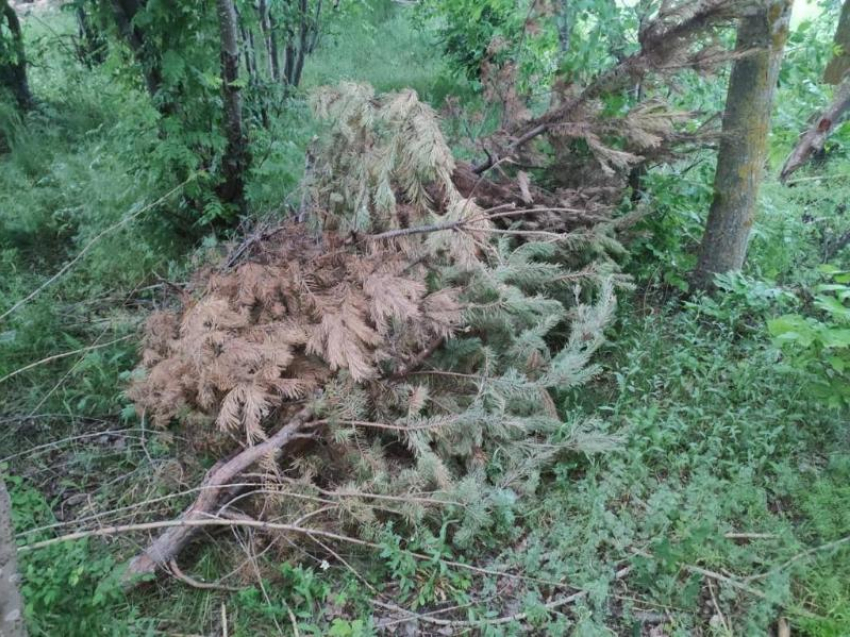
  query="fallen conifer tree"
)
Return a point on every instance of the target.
[
  {"x": 400, "y": 344},
  {"x": 401, "y": 348}
]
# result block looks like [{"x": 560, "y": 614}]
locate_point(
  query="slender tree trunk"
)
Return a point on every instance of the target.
[
  {"x": 248, "y": 47},
  {"x": 257, "y": 105},
  {"x": 275, "y": 48},
  {"x": 315, "y": 31},
  {"x": 125, "y": 12},
  {"x": 290, "y": 54},
  {"x": 236, "y": 159},
  {"x": 743, "y": 148},
  {"x": 300, "y": 44},
  {"x": 563, "y": 21},
  {"x": 92, "y": 46},
  {"x": 11, "y": 604},
  {"x": 303, "y": 35},
  {"x": 13, "y": 59},
  {"x": 840, "y": 62},
  {"x": 269, "y": 40}
]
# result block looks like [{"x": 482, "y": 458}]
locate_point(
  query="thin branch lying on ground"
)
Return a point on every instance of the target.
[
  {"x": 119, "y": 433},
  {"x": 750, "y": 536},
  {"x": 518, "y": 617},
  {"x": 178, "y": 574},
  {"x": 734, "y": 583},
  {"x": 801, "y": 556},
  {"x": 56, "y": 357},
  {"x": 132, "y": 508},
  {"x": 194, "y": 524},
  {"x": 168, "y": 545}
]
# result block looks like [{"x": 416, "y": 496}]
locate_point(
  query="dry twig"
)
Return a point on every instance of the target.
[{"x": 517, "y": 617}]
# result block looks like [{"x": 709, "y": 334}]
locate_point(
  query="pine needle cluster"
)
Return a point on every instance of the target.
[{"x": 431, "y": 358}]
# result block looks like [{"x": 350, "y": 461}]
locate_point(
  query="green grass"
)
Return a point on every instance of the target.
[
  {"x": 388, "y": 50},
  {"x": 718, "y": 438}
]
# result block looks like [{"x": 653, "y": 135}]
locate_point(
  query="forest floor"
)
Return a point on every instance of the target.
[{"x": 721, "y": 509}]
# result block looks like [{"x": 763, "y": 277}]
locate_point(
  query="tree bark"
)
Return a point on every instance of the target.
[
  {"x": 13, "y": 60},
  {"x": 92, "y": 46},
  {"x": 301, "y": 43},
  {"x": 236, "y": 158},
  {"x": 248, "y": 47},
  {"x": 125, "y": 12},
  {"x": 812, "y": 140},
  {"x": 743, "y": 147},
  {"x": 840, "y": 62},
  {"x": 169, "y": 544},
  {"x": 257, "y": 106},
  {"x": 303, "y": 34},
  {"x": 275, "y": 48},
  {"x": 314, "y": 37},
  {"x": 11, "y": 603},
  {"x": 290, "y": 54},
  {"x": 562, "y": 19},
  {"x": 270, "y": 40}
]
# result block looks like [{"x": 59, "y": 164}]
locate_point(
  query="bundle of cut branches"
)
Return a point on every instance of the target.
[{"x": 393, "y": 343}]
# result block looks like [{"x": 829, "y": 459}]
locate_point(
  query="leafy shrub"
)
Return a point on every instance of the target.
[
  {"x": 819, "y": 344},
  {"x": 468, "y": 27},
  {"x": 573, "y": 39},
  {"x": 742, "y": 302},
  {"x": 67, "y": 588}
]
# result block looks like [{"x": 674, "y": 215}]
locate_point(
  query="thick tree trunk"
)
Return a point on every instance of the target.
[
  {"x": 236, "y": 158},
  {"x": 13, "y": 60},
  {"x": 743, "y": 147},
  {"x": 840, "y": 63},
  {"x": 812, "y": 140},
  {"x": 11, "y": 603}
]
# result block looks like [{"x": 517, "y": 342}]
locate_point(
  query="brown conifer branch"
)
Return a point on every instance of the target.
[{"x": 664, "y": 47}]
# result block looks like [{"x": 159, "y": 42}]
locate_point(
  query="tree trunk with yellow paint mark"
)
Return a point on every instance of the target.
[{"x": 743, "y": 147}]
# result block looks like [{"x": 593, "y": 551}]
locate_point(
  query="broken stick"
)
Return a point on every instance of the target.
[
  {"x": 169, "y": 544},
  {"x": 813, "y": 139}
]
